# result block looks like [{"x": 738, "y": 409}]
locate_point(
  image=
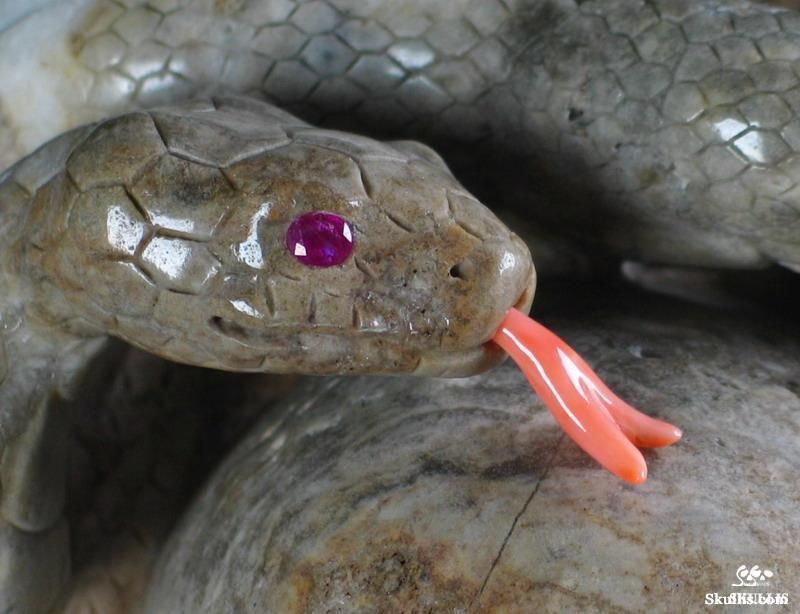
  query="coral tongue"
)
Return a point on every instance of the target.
[{"x": 594, "y": 417}]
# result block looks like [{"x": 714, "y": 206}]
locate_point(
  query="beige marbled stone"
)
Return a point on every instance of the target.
[{"x": 378, "y": 495}]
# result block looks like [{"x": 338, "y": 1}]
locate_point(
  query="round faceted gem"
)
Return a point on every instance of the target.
[{"x": 320, "y": 239}]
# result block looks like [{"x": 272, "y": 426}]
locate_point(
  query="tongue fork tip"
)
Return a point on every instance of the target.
[
  {"x": 593, "y": 416},
  {"x": 632, "y": 475}
]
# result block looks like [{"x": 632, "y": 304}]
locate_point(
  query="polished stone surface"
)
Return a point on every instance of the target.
[
  {"x": 666, "y": 130},
  {"x": 383, "y": 494}
]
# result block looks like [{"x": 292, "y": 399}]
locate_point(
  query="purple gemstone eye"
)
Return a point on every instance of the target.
[{"x": 320, "y": 239}]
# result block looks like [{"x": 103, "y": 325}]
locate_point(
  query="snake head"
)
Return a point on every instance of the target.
[{"x": 177, "y": 242}]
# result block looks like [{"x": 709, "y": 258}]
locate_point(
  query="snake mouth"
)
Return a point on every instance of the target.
[
  {"x": 266, "y": 337},
  {"x": 257, "y": 337},
  {"x": 434, "y": 363},
  {"x": 458, "y": 362},
  {"x": 461, "y": 363}
]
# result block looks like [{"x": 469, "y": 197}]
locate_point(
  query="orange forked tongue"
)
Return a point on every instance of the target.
[{"x": 597, "y": 420}]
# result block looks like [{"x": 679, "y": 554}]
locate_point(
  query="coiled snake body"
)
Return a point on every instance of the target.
[{"x": 166, "y": 227}]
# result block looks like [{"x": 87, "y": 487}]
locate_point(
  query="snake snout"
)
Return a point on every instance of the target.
[
  {"x": 494, "y": 276},
  {"x": 514, "y": 281}
]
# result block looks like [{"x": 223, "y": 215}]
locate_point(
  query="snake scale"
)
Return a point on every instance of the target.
[{"x": 664, "y": 130}]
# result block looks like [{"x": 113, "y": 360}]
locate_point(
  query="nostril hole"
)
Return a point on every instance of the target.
[{"x": 462, "y": 270}]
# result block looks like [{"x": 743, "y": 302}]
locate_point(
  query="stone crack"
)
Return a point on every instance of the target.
[{"x": 511, "y": 529}]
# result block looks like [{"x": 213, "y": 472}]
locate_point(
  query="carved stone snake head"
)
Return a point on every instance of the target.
[{"x": 168, "y": 229}]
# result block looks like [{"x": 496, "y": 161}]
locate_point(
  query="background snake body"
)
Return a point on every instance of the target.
[{"x": 680, "y": 118}]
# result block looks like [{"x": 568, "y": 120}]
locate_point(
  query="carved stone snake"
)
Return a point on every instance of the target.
[{"x": 166, "y": 227}]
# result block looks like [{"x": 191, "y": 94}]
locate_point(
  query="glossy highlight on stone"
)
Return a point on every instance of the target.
[{"x": 320, "y": 239}]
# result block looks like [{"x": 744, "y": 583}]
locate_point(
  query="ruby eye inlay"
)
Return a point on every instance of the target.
[{"x": 320, "y": 239}]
